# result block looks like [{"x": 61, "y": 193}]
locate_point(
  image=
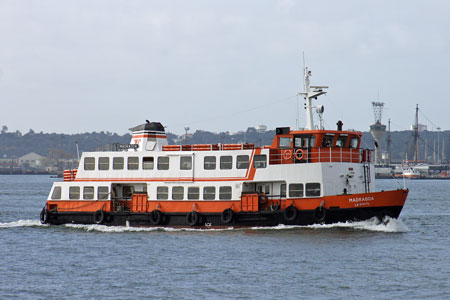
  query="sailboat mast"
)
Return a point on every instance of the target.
[{"x": 416, "y": 134}]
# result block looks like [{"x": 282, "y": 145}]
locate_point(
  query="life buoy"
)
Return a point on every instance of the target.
[
  {"x": 290, "y": 213},
  {"x": 320, "y": 214},
  {"x": 156, "y": 217},
  {"x": 299, "y": 154},
  {"x": 44, "y": 216},
  {"x": 287, "y": 154},
  {"x": 99, "y": 216},
  {"x": 192, "y": 218},
  {"x": 227, "y": 216}
]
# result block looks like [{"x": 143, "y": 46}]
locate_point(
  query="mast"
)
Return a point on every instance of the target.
[
  {"x": 416, "y": 134},
  {"x": 309, "y": 95},
  {"x": 389, "y": 142}
]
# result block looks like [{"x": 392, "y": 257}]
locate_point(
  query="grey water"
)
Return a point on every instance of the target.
[{"x": 407, "y": 258}]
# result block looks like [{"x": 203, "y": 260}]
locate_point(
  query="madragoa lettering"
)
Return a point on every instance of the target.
[{"x": 361, "y": 201}]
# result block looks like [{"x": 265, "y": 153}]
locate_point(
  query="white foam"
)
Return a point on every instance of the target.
[
  {"x": 22, "y": 223},
  {"x": 387, "y": 225},
  {"x": 119, "y": 229}
]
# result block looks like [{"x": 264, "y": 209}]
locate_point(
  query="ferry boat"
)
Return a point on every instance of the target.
[{"x": 304, "y": 177}]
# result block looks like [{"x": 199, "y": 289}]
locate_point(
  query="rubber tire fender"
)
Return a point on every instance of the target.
[
  {"x": 44, "y": 216},
  {"x": 156, "y": 217},
  {"x": 227, "y": 216},
  {"x": 290, "y": 213},
  {"x": 192, "y": 218},
  {"x": 320, "y": 214},
  {"x": 99, "y": 216}
]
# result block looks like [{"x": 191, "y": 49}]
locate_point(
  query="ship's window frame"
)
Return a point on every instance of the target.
[
  {"x": 178, "y": 192},
  {"x": 285, "y": 142},
  {"x": 193, "y": 193},
  {"x": 341, "y": 140},
  {"x": 162, "y": 193},
  {"x": 312, "y": 189},
  {"x": 163, "y": 163},
  {"x": 89, "y": 163},
  {"x": 242, "y": 161},
  {"x": 209, "y": 193},
  {"x": 226, "y": 162},
  {"x": 354, "y": 141},
  {"x": 103, "y": 163},
  {"x": 209, "y": 162},
  {"x": 74, "y": 192},
  {"x": 118, "y": 163},
  {"x": 283, "y": 190},
  {"x": 185, "y": 162},
  {"x": 133, "y": 163},
  {"x": 88, "y": 193},
  {"x": 56, "y": 194},
  {"x": 296, "y": 190},
  {"x": 260, "y": 161},
  {"x": 327, "y": 140},
  {"x": 127, "y": 191},
  {"x": 102, "y": 192},
  {"x": 225, "y": 193},
  {"x": 148, "y": 163}
]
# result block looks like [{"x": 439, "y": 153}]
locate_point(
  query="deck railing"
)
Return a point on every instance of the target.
[{"x": 319, "y": 154}]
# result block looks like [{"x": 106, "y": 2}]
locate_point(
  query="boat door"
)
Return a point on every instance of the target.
[{"x": 303, "y": 143}]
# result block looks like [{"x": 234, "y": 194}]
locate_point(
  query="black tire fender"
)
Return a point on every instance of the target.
[
  {"x": 99, "y": 216},
  {"x": 156, "y": 217},
  {"x": 227, "y": 216},
  {"x": 192, "y": 218},
  {"x": 290, "y": 213},
  {"x": 320, "y": 214},
  {"x": 44, "y": 216}
]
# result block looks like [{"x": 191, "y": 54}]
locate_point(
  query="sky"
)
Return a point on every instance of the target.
[{"x": 220, "y": 65}]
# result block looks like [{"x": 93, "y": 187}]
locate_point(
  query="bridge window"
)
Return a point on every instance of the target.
[
  {"x": 74, "y": 193},
  {"x": 209, "y": 193},
  {"x": 102, "y": 193},
  {"x": 193, "y": 193},
  {"x": 225, "y": 193},
  {"x": 327, "y": 140},
  {"x": 133, "y": 163},
  {"x": 88, "y": 192},
  {"x": 242, "y": 162},
  {"x": 177, "y": 193},
  {"x": 56, "y": 195},
  {"x": 103, "y": 163},
  {"x": 296, "y": 190},
  {"x": 226, "y": 162},
  {"x": 260, "y": 161},
  {"x": 209, "y": 163},
  {"x": 148, "y": 163},
  {"x": 285, "y": 142},
  {"x": 354, "y": 143},
  {"x": 89, "y": 163},
  {"x": 312, "y": 189},
  {"x": 163, "y": 163},
  {"x": 186, "y": 162},
  {"x": 118, "y": 163},
  {"x": 162, "y": 193},
  {"x": 341, "y": 141}
]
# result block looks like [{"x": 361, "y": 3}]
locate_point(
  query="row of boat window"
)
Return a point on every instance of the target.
[
  {"x": 296, "y": 190},
  {"x": 163, "y": 162}
]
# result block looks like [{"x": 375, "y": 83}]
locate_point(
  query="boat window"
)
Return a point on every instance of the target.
[
  {"x": 103, "y": 163},
  {"x": 296, "y": 190},
  {"x": 133, "y": 163},
  {"x": 209, "y": 163},
  {"x": 186, "y": 162},
  {"x": 304, "y": 141},
  {"x": 163, "y": 163},
  {"x": 127, "y": 191},
  {"x": 283, "y": 190},
  {"x": 267, "y": 189},
  {"x": 341, "y": 141},
  {"x": 56, "y": 195},
  {"x": 162, "y": 193},
  {"x": 118, "y": 163},
  {"x": 225, "y": 193},
  {"x": 260, "y": 161},
  {"x": 102, "y": 193},
  {"x": 285, "y": 142},
  {"x": 88, "y": 192},
  {"x": 327, "y": 140},
  {"x": 242, "y": 162},
  {"x": 89, "y": 163},
  {"x": 148, "y": 163},
  {"x": 177, "y": 193},
  {"x": 226, "y": 162},
  {"x": 74, "y": 193},
  {"x": 354, "y": 142},
  {"x": 312, "y": 189},
  {"x": 209, "y": 193},
  {"x": 193, "y": 193}
]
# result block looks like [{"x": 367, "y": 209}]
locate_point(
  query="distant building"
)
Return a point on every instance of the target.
[
  {"x": 420, "y": 127},
  {"x": 261, "y": 128},
  {"x": 31, "y": 160}
]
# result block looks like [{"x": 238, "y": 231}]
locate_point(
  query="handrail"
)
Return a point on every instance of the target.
[{"x": 320, "y": 154}]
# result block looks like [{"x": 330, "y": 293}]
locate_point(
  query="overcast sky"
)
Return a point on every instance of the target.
[{"x": 83, "y": 66}]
